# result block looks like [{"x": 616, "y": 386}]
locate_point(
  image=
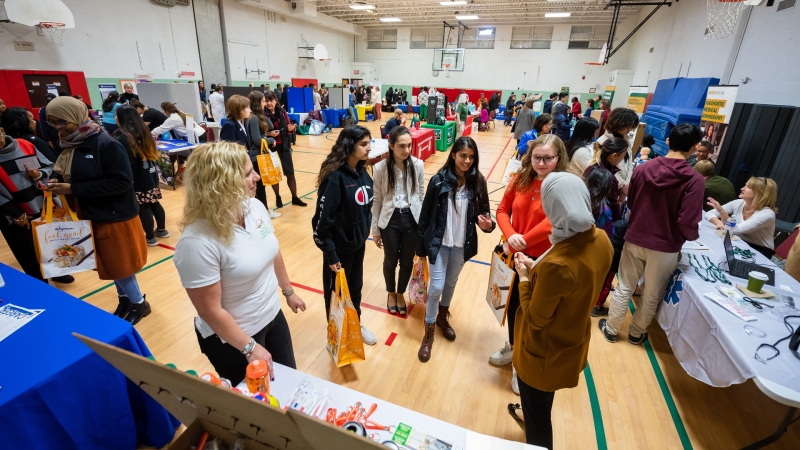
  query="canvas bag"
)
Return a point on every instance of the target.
[
  {"x": 344, "y": 340},
  {"x": 512, "y": 168},
  {"x": 501, "y": 279},
  {"x": 269, "y": 164},
  {"x": 418, "y": 284},
  {"x": 63, "y": 245}
]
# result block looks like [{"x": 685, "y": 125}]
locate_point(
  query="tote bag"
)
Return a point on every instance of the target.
[
  {"x": 501, "y": 278},
  {"x": 513, "y": 166},
  {"x": 418, "y": 284},
  {"x": 269, "y": 165},
  {"x": 63, "y": 245},
  {"x": 344, "y": 340}
]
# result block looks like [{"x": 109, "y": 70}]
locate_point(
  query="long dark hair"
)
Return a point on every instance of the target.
[
  {"x": 16, "y": 123},
  {"x": 474, "y": 181},
  {"x": 540, "y": 121},
  {"x": 171, "y": 109},
  {"x": 582, "y": 136},
  {"x": 599, "y": 184},
  {"x": 141, "y": 142},
  {"x": 256, "y": 110},
  {"x": 408, "y": 165},
  {"x": 610, "y": 147},
  {"x": 108, "y": 103},
  {"x": 345, "y": 146}
]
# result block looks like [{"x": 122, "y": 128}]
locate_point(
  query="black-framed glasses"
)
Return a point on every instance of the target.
[
  {"x": 766, "y": 352},
  {"x": 57, "y": 123},
  {"x": 547, "y": 159}
]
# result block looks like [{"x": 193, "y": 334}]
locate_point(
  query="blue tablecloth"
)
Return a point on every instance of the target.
[
  {"x": 332, "y": 116},
  {"x": 56, "y": 392},
  {"x": 295, "y": 117},
  {"x": 415, "y": 109}
]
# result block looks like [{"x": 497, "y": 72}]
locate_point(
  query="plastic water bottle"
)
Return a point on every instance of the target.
[{"x": 730, "y": 224}]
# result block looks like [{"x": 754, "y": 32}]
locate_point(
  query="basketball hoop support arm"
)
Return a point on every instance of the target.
[
  {"x": 618, "y": 4},
  {"x": 446, "y": 34}
]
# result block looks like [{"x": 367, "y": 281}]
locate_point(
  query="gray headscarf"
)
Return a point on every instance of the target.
[{"x": 566, "y": 203}]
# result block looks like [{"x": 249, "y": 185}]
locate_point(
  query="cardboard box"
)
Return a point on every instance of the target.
[{"x": 223, "y": 413}]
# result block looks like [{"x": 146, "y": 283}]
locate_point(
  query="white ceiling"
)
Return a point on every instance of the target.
[{"x": 421, "y": 13}]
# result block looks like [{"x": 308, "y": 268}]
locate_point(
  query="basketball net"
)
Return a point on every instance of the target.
[
  {"x": 446, "y": 70},
  {"x": 55, "y": 30},
  {"x": 723, "y": 16}
]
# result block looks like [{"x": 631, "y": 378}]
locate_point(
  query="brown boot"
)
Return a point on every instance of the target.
[
  {"x": 441, "y": 320},
  {"x": 424, "y": 353}
]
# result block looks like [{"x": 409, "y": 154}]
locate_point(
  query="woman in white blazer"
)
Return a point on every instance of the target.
[{"x": 399, "y": 185}]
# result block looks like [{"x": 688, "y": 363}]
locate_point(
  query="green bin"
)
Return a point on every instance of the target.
[{"x": 444, "y": 135}]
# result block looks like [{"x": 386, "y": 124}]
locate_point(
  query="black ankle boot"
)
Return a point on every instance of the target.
[
  {"x": 298, "y": 202},
  {"x": 138, "y": 311},
  {"x": 123, "y": 307},
  {"x": 278, "y": 202}
]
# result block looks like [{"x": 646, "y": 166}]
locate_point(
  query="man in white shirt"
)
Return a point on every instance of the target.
[
  {"x": 422, "y": 100},
  {"x": 463, "y": 97},
  {"x": 217, "y": 102}
]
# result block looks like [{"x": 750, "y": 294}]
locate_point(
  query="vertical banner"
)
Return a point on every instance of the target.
[
  {"x": 609, "y": 93},
  {"x": 637, "y": 98},
  {"x": 716, "y": 115}
]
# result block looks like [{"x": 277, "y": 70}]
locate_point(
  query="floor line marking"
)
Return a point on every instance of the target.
[
  {"x": 84, "y": 297},
  {"x": 498, "y": 159}
]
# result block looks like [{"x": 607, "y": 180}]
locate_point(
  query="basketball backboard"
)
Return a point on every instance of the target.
[
  {"x": 34, "y": 12},
  {"x": 452, "y": 56}
]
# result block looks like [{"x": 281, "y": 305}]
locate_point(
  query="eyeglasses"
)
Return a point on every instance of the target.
[
  {"x": 547, "y": 159},
  {"x": 57, "y": 123}
]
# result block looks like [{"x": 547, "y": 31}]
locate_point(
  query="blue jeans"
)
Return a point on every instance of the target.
[
  {"x": 444, "y": 275},
  {"x": 129, "y": 287}
]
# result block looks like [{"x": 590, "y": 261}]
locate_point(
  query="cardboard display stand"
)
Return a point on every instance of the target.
[{"x": 223, "y": 413}]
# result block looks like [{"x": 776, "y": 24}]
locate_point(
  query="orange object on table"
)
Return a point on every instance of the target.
[{"x": 257, "y": 377}]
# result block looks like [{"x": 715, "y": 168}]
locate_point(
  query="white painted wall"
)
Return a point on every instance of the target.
[
  {"x": 273, "y": 39},
  {"x": 104, "y": 41},
  {"x": 501, "y": 67}
]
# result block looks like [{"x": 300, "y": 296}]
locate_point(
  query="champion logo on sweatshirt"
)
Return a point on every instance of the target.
[{"x": 362, "y": 196}]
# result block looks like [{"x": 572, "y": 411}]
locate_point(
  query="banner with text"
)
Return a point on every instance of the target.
[
  {"x": 609, "y": 93},
  {"x": 638, "y": 98},
  {"x": 716, "y": 115}
]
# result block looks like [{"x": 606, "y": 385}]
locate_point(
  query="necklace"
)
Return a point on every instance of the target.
[
  {"x": 535, "y": 190},
  {"x": 712, "y": 272}
]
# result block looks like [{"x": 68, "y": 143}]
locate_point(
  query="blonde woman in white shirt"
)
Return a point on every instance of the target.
[
  {"x": 230, "y": 264},
  {"x": 754, "y": 213},
  {"x": 399, "y": 186}
]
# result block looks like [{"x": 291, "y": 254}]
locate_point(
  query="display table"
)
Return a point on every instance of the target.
[
  {"x": 711, "y": 343},
  {"x": 363, "y": 110},
  {"x": 56, "y": 392},
  {"x": 333, "y": 117},
  {"x": 298, "y": 118},
  {"x": 444, "y": 135},
  {"x": 174, "y": 149},
  {"x": 470, "y": 126},
  {"x": 423, "y": 143}
]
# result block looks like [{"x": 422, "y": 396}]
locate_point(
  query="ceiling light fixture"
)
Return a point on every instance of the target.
[
  {"x": 467, "y": 17},
  {"x": 561, "y": 14},
  {"x": 453, "y": 3},
  {"x": 390, "y": 19},
  {"x": 362, "y": 6}
]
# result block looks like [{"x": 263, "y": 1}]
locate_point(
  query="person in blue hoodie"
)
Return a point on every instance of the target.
[{"x": 343, "y": 216}]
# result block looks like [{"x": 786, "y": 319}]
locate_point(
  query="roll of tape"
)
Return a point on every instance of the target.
[
  {"x": 391, "y": 444},
  {"x": 355, "y": 427}
]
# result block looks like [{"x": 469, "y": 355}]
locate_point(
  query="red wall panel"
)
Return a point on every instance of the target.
[
  {"x": 303, "y": 82},
  {"x": 14, "y": 92},
  {"x": 473, "y": 94}
]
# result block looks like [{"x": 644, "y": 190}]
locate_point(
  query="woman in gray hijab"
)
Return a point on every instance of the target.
[{"x": 557, "y": 291}]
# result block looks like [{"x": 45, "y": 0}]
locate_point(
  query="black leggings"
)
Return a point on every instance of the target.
[
  {"x": 536, "y": 407},
  {"x": 20, "y": 241},
  {"x": 353, "y": 265},
  {"x": 230, "y": 363},
  {"x": 147, "y": 211},
  {"x": 399, "y": 240}
]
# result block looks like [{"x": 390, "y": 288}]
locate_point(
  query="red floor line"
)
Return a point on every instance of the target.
[
  {"x": 498, "y": 159},
  {"x": 391, "y": 339},
  {"x": 307, "y": 288},
  {"x": 167, "y": 247}
]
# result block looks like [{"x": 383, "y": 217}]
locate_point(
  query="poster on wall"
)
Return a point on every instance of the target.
[
  {"x": 52, "y": 89},
  {"x": 124, "y": 84},
  {"x": 609, "y": 93},
  {"x": 637, "y": 98},
  {"x": 717, "y": 115},
  {"x": 106, "y": 89}
]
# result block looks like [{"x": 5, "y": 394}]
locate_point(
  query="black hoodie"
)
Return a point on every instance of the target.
[{"x": 343, "y": 216}]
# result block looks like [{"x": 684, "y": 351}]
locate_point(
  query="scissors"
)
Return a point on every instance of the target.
[{"x": 756, "y": 303}]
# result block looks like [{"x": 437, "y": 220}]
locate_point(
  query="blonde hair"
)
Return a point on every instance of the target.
[
  {"x": 398, "y": 112},
  {"x": 526, "y": 175},
  {"x": 765, "y": 192},
  {"x": 215, "y": 187}
]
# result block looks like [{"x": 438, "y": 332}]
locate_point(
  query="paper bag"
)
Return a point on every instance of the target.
[
  {"x": 269, "y": 165},
  {"x": 501, "y": 279},
  {"x": 514, "y": 165},
  {"x": 63, "y": 246},
  {"x": 344, "y": 329},
  {"x": 418, "y": 284}
]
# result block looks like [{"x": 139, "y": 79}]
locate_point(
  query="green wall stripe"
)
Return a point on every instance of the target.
[{"x": 662, "y": 383}]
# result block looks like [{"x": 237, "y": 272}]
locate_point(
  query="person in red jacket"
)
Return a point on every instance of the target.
[
  {"x": 576, "y": 108},
  {"x": 666, "y": 203},
  {"x": 528, "y": 230}
]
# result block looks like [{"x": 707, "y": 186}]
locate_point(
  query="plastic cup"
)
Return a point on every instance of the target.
[
  {"x": 755, "y": 281},
  {"x": 291, "y": 110}
]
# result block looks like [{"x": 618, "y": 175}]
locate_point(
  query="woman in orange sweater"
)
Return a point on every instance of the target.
[
  {"x": 556, "y": 293},
  {"x": 528, "y": 231}
]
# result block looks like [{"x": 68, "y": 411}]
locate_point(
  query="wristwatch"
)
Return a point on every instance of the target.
[{"x": 248, "y": 349}]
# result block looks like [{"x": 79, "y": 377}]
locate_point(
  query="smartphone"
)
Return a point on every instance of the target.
[{"x": 42, "y": 183}]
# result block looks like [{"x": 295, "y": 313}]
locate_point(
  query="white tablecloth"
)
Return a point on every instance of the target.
[{"x": 710, "y": 342}]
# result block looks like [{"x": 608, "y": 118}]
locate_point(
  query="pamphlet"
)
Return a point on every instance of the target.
[
  {"x": 731, "y": 306},
  {"x": 13, "y": 317}
]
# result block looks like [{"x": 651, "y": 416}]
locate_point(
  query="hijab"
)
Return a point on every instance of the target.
[
  {"x": 566, "y": 203},
  {"x": 72, "y": 111}
]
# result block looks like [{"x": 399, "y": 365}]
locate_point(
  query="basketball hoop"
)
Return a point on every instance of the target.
[
  {"x": 723, "y": 15},
  {"x": 446, "y": 69},
  {"x": 55, "y": 30},
  {"x": 590, "y": 65},
  {"x": 327, "y": 61}
]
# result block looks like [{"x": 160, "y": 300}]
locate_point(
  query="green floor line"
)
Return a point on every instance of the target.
[
  {"x": 662, "y": 383},
  {"x": 289, "y": 203},
  {"x": 111, "y": 284},
  {"x": 597, "y": 416}
]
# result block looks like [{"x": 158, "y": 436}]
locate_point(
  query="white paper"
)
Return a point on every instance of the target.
[
  {"x": 730, "y": 306},
  {"x": 787, "y": 288},
  {"x": 13, "y": 317},
  {"x": 694, "y": 245}
]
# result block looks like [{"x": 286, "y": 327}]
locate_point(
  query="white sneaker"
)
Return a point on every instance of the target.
[
  {"x": 514, "y": 381},
  {"x": 503, "y": 356},
  {"x": 274, "y": 214},
  {"x": 368, "y": 337}
]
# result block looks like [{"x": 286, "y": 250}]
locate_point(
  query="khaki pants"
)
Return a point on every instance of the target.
[{"x": 657, "y": 268}]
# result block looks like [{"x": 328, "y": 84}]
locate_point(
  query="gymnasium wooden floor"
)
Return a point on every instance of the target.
[{"x": 630, "y": 397}]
